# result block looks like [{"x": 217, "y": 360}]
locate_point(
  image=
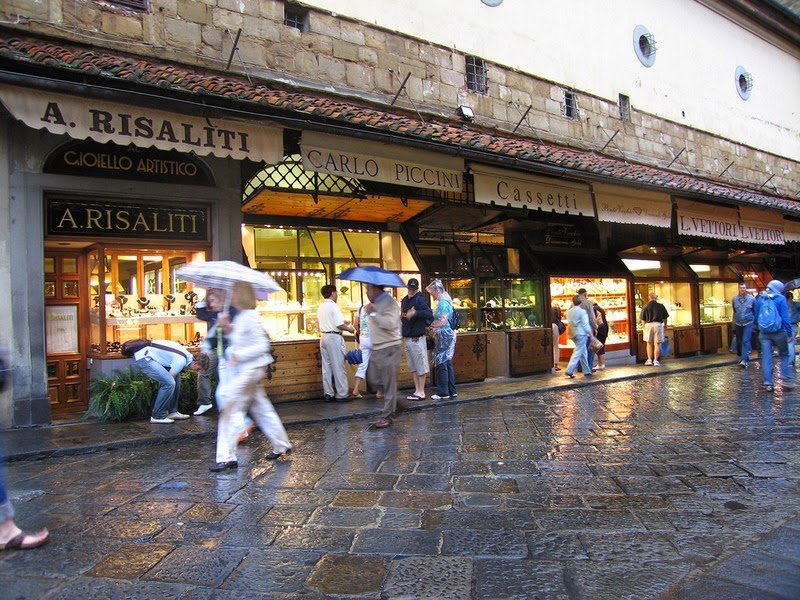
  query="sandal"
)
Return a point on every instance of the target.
[
  {"x": 415, "y": 398},
  {"x": 356, "y": 395},
  {"x": 18, "y": 541}
]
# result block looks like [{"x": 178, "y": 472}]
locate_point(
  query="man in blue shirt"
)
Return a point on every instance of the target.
[
  {"x": 779, "y": 338},
  {"x": 744, "y": 316},
  {"x": 162, "y": 361}
]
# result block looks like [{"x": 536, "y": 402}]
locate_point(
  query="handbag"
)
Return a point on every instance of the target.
[
  {"x": 430, "y": 339},
  {"x": 595, "y": 344},
  {"x": 561, "y": 327}
]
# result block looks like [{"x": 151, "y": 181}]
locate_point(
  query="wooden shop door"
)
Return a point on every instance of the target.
[{"x": 65, "y": 317}]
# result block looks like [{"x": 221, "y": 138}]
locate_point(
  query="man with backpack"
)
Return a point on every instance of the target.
[
  {"x": 744, "y": 317},
  {"x": 774, "y": 330}
]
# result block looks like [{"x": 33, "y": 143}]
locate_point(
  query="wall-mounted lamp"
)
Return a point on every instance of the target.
[{"x": 465, "y": 112}]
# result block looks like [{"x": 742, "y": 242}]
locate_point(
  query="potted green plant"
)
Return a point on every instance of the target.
[{"x": 120, "y": 397}]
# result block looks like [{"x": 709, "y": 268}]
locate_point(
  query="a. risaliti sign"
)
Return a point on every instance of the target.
[
  {"x": 96, "y": 219},
  {"x": 726, "y": 224},
  {"x": 123, "y": 124}
]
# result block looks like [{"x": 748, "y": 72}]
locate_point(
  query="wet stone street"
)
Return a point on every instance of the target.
[{"x": 619, "y": 490}]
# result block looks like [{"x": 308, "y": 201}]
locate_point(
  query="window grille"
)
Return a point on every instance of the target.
[
  {"x": 477, "y": 80},
  {"x": 137, "y": 5},
  {"x": 624, "y": 108},
  {"x": 290, "y": 176},
  {"x": 295, "y": 16},
  {"x": 570, "y": 104}
]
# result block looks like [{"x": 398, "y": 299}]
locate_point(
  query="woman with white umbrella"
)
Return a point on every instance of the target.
[{"x": 247, "y": 357}]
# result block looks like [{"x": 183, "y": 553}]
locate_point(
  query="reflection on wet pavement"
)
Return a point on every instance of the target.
[{"x": 608, "y": 491}]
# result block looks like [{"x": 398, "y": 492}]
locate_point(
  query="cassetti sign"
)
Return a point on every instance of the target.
[
  {"x": 76, "y": 218},
  {"x": 520, "y": 190}
]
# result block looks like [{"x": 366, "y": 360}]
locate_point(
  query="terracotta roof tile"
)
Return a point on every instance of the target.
[{"x": 107, "y": 64}]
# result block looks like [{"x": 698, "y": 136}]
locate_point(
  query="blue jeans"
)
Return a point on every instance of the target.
[
  {"x": 6, "y": 510},
  {"x": 168, "y": 387},
  {"x": 579, "y": 355},
  {"x": 445, "y": 379},
  {"x": 589, "y": 354},
  {"x": 792, "y": 344},
  {"x": 744, "y": 335},
  {"x": 769, "y": 341}
]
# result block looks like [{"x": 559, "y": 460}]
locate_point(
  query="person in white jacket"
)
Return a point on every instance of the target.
[
  {"x": 247, "y": 357},
  {"x": 579, "y": 329}
]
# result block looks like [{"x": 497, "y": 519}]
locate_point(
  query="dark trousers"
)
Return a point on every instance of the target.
[{"x": 445, "y": 379}]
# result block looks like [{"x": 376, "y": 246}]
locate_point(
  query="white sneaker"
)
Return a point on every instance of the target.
[
  {"x": 656, "y": 363},
  {"x": 165, "y": 420},
  {"x": 202, "y": 409},
  {"x": 649, "y": 363},
  {"x": 599, "y": 367},
  {"x": 438, "y": 397},
  {"x": 177, "y": 416}
]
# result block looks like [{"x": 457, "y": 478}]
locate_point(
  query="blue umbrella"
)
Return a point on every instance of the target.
[{"x": 373, "y": 275}]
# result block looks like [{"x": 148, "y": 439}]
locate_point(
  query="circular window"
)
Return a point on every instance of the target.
[
  {"x": 644, "y": 44},
  {"x": 492, "y": 2},
  {"x": 744, "y": 82}
]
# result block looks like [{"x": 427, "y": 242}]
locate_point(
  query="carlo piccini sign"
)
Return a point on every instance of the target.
[
  {"x": 124, "y": 124},
  {"x": 93, "y": 219}
]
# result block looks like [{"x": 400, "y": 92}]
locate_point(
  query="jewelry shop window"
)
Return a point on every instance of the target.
[
  {"x": 303, "y": 259},
  {"x": 138, "y": 294}
]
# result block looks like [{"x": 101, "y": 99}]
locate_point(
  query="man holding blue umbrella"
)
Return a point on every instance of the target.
[{"x": 384, "y": 359}]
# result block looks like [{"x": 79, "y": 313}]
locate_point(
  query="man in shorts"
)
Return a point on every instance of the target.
[
  {"x": 654, "y": 316},
  {"x": 416, "y": 315}
]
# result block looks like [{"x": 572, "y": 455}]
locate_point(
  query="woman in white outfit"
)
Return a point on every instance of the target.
[{"x": 247, "y": 357}]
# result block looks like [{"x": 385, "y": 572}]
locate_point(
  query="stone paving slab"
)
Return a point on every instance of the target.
[
  {"x": 419, "y": 511},
  {"x": 83, "y": 437}
]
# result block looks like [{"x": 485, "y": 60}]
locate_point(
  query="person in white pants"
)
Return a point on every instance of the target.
[{"x": 246, "y": 361}]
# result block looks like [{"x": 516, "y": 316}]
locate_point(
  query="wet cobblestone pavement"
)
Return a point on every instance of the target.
[{"x": 637, "y": 489}]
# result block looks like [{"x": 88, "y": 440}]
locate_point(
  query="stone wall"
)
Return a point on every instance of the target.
[{"x": 355, "y": 58}]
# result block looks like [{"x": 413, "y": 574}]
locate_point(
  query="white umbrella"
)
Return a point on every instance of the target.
[{"x": 223, "y": 274}]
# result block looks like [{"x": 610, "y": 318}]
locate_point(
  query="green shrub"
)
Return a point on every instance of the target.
[{"x": 120, "y": 397}]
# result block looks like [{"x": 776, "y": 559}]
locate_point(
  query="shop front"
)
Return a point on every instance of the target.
[
  {"x": 660, "y": 271},
  {"x": 109, "y": 202},
  {"x": 333, "y": 203}
]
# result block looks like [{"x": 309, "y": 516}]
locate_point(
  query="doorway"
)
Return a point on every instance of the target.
[{"x": 66, "y": 318}]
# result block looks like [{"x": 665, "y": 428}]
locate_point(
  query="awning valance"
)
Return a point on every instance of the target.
[
  {"x": 520, "y": 190},
  {"x": 747, "y": 225},
  {"x": 125, "y": 124},
  {"x": 791, "y": 230},
  {"x": 635, "y": 207},
  {"x": 386, "y": 163}
]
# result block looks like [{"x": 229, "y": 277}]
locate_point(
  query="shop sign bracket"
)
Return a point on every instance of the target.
[
  {"x": 725, "y": 170},
  {"x": 525, "y": 114},
  {"x": 235, "y": 49},
  {"x": 676, "y": 157}
]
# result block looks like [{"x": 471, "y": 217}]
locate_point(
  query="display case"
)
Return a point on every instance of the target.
[
  {"x": 462, "y": 291},
  {"x": 490, "y": 304},
  {"x": 676, "y": 298},
  {"x": 717, "y": 285},
  {"x": 138, "y": 294},
  {"x": 524, "y": 301},
  {"x": 611, "y": 293},
  {"x": 304, "y": 259}
]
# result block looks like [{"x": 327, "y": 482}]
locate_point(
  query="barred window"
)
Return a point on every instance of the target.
[
  {"x": 570, "y": 104},
  {"x": 137, "y": 5},
  {"x": 295, "y": 16},
  {"x": 477, "y": 80},
  {"x": 624, "y": 108}
]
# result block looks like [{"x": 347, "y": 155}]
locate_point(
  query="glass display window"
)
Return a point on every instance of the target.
[
  {"x": 304, "y": 259},
  {"x": 611, "y": 293},
  {"x": 139, "y": 294},
  {"x": 675, "y": 296},
  {"x": 715, "y": 301},
  {"x": 490, "y": 304},
  {"x": 523, "y": 302},
  {"x": 462, "y": 291}
]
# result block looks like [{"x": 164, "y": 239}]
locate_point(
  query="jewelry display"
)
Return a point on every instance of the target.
[
  {"x": 143, "y": 304},
  {"x": 168, "y": 300}
]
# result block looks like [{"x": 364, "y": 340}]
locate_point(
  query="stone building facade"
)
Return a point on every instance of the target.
[{"x": 361, "y": 60}]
